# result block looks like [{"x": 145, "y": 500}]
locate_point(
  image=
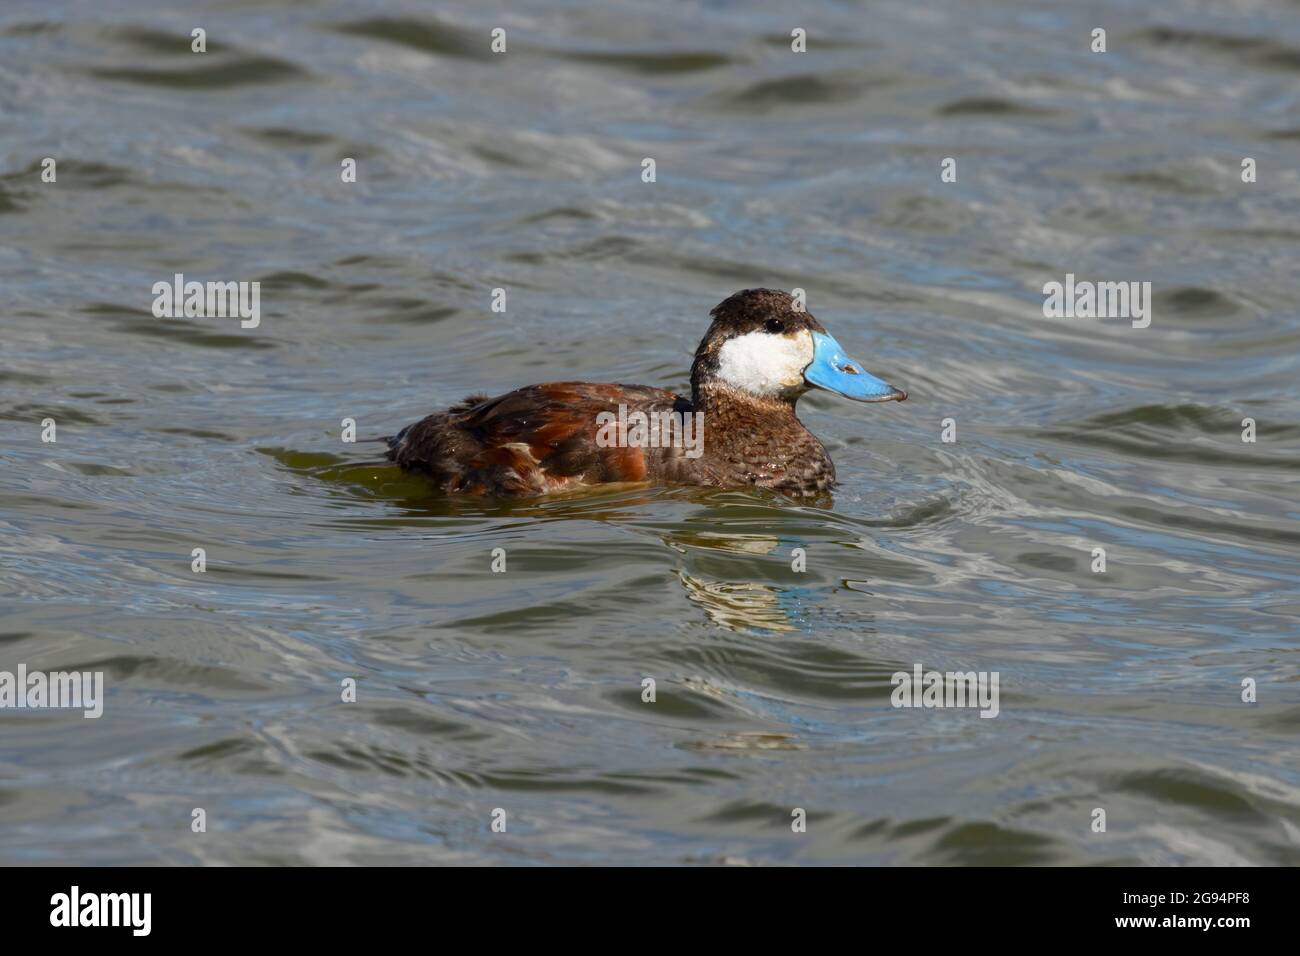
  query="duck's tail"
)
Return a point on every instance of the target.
[{"x": 395, "y": 441}]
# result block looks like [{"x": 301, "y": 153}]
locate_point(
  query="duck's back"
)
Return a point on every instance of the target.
[{"x": 534, "y": 440}]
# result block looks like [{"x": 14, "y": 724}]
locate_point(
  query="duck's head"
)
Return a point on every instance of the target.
[{"x": 760, "y": 345}]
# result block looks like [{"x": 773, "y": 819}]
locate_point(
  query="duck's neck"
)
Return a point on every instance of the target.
[
  {"x": 738, "y": 405},
  {"x": 764, "y": 438}
]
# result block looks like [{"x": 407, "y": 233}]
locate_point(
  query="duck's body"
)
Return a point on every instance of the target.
[
  {"x": 757, "y": 358},
  {"x": 542, "y": 439}
]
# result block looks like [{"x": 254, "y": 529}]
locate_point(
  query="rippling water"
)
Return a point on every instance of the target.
[{"x": 522, "y": 691}]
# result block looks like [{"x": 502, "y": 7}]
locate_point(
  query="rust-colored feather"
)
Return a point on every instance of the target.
[{"x": 529, "y": 441}]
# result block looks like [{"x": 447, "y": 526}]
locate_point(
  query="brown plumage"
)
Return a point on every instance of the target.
[{"x": 547, "y": 438}]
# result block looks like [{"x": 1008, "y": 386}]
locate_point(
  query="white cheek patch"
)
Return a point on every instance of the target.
[{"x": 766, "y": 364}]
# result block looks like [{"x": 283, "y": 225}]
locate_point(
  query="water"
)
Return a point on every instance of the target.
[{"x": 522, "y": 691}]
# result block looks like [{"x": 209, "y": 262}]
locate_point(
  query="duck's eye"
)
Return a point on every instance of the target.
[{"x": 775, "y": 327}]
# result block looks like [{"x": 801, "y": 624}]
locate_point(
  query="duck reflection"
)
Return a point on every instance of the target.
[{"x": 736, "y": 605}]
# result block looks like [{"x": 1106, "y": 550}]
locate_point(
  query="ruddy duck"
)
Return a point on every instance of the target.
[{"x": 758, "y": 357}]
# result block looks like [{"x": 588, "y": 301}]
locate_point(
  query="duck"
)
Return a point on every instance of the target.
[{"x": 761, "y": 353}]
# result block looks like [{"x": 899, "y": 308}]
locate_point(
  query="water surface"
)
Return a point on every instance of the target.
[{"x": 522, "y": 690}]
